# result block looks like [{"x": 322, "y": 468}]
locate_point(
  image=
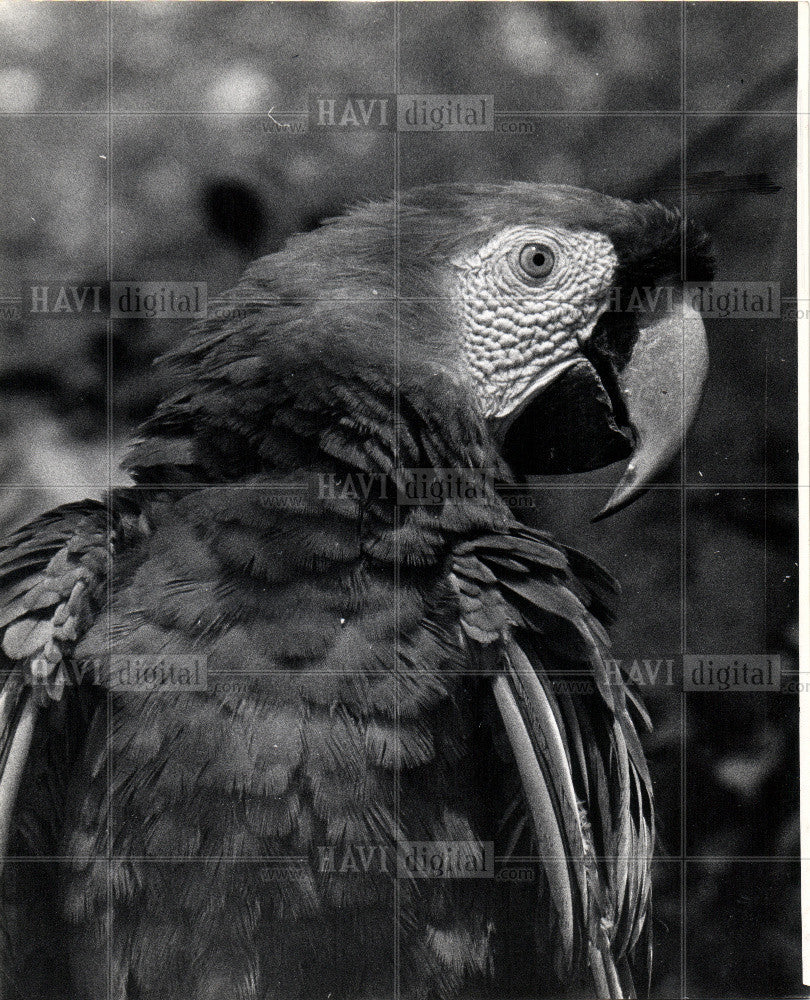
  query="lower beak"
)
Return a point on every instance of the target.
[{"x": 661, "y": 387}]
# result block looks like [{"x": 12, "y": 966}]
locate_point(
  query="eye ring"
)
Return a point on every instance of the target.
[{"x": 536, "y": 261}]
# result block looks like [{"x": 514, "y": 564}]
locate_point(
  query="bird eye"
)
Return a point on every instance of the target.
[{"x": 536, "y": 260}]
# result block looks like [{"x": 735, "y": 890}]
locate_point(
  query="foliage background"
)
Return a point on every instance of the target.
[{"x": 193, "y": 185}]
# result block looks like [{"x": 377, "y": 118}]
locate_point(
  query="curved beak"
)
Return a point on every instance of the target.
[{"x": 661, "y": 387}]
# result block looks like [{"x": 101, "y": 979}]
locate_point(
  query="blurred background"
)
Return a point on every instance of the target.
[{"x": 189, "y": 179}]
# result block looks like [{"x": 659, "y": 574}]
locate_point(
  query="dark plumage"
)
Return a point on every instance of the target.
[{"x": 377, "y": 672}]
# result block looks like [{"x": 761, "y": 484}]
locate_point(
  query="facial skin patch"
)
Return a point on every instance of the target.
[{"x": 516, "y": 327}]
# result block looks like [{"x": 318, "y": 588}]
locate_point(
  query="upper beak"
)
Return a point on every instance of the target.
[
  {"x": 661, "y": 387},
  {"x": 631, "y": 392}
]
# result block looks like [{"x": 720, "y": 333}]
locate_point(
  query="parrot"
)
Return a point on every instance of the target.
[{"x": 276, "y": 716}]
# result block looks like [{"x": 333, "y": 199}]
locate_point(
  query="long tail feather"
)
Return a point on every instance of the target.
[
  {"x": 614, "y": 986},
  {"x": 546, "y": 827},
  {"x": 538, "y": 741},
  {"x": 599, "y": 904},
  {"x": 546, "y": 728},
  {"x": 586, "y": 787},
  {"x": 597, "y": 967}
]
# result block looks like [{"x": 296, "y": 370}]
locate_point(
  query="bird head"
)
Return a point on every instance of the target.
[
  {"x": 568, "y": 310},
  {"x": 544, "y": 323}
]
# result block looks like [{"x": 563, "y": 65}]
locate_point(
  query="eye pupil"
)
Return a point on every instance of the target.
[{"x": 535, "y": 261}]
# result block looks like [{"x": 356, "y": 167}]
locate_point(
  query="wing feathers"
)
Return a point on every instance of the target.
[
  {"x": 52, "y": 572},
  {"x": 13, "y": 764}
]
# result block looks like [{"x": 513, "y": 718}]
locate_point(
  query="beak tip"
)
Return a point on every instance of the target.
[{"x": 628, "y": 491}]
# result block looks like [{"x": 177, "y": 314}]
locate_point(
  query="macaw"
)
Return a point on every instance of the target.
[{"x": 249, "y": 700}]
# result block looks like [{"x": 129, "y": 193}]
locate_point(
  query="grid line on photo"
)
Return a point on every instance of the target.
[
  {"x": 532, "y": 112},
  {"x": 533, "y": 487},
  {"x": 397, "y": 511},
  {"x": 682, "y": 517},
  {"x": 522, "y": 858},
  {"x": 111, "y": 472}
]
